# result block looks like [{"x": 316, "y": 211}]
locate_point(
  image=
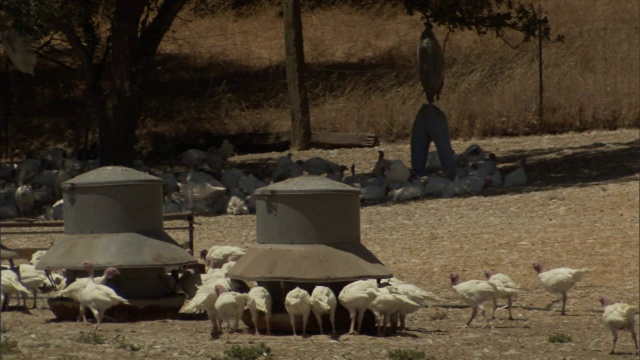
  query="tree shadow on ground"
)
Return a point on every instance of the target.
[{"x": 586, "y": 165}]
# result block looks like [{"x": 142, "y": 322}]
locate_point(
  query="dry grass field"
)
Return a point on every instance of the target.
[
  {"x": 580, "y": 209},
  {"x": 224, "y": 73}
]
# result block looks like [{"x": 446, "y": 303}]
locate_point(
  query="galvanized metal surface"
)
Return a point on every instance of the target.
[
  {"x": 112, "y": 209},
  {"x": 306, "y": 184},
  {"x": 109, "y": 176},
  {"x": 308, "y": 263},
  {"x": 308, "y": 230},
  {"x": 6, "y": 253},
  {"x": 315, "y": 218},
  {"x": 117, "y": 249},
  {"x": 113, "y": 217}
]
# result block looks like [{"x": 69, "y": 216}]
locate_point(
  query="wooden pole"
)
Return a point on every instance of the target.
[
  {"x": 7, "y": 106},
  {"x": 294, "y": 49},
  {"x": 540, "y": 84}
]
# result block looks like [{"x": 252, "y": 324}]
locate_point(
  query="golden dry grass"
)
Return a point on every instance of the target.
[
  {"x": 225, "y": 73},
  {"x": 363, "y": 78}
]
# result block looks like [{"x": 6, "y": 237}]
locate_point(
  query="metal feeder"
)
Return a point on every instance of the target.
[
  {"x": 113, "y": 217},
  {"x": 308, "y": 234}
]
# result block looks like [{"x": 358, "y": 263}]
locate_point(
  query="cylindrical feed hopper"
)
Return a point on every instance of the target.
[{"x": 113, "y": 217}]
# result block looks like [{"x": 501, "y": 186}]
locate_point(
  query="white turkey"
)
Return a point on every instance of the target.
[
  {"x": 97, "y": 297},
  {"x": 373, "y": 193},
  {"x": 318, "y": 166},
  {"x": 10, "y": 285},
  {"x": 24, "y": 199},
  {"x": 337, "y": 175},
  {"x": 474, "y": 293},
  {"x": 74, "y": 290},
  {"x": 297, "y": 302},
  {"x": 226, "y": 149},
  {"x": 205, "y": 299},
  {"x": 412, "y": 189},
  {"x": 36, "y": 256},
  {"x": 260, "y": 301},
  {"x": 286, "y": 168},
  {"x": 237, "y": 206},
  {"x": 189, "y": 281},
  {"x": 230, "y": 304},
  {"x": 507, "y": 288},
  {"x": 230, "y": 178},
  {"x": 217, "y": 255},
  {"x": 415, "y": 294},
  {"x": 33, "y": 280},
  {"x": 324, "y": 302},
  {"x": 389, "y": 304},
  {"x": 396, "y": 171},
  {"x": 356, "y": 298},
  {"x": 249, "y": 183},
  {"x": 436, "y": 186},
  {"x": 27, "y": 170},
  {"x": 559, "y": 281},
  {"x": 516, "y": 177},
  {"x": 619, "y": 316}
]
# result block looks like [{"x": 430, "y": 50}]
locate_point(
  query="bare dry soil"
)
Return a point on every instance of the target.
[{"x": 580, "y": 209}]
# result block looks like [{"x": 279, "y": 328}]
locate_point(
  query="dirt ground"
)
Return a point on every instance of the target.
[{"x": 580, "y": 209}]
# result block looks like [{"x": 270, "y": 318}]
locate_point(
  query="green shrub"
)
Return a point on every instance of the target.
[
  {"x": 247, "y": 352},
  {"x": 408, "y": 354},
  {"x": 439, "y": 315},
  {"x": 123, "y": 344},
  {"x": 560, "y": 338},
  {"x": 90, "y": 338},
  {"x": 8, "y": 346}
]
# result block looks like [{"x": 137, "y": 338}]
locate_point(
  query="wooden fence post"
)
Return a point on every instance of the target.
[
  {"x": 298, "y": 102},
  {"x": 540, "y": 83}
]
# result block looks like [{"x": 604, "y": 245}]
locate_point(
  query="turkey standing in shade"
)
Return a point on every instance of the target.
[
  {"x": 230, "y": 304},
  {"x": 298, "y": 303},
  {"x": 324, "y": 302},
  {"x": 260, "y": 301}
]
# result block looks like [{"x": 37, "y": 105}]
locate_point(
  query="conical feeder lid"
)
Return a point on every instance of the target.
[
  {"x": 6, "y": 253},
  {"x": 308, "y": 263}
]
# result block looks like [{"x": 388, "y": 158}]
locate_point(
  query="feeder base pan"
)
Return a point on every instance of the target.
[{"x": 152, "y": 308}]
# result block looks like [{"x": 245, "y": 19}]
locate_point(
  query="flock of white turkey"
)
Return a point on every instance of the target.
[
  {"x": 390, "y": 300},
  {"x": 203, "y": 182}
]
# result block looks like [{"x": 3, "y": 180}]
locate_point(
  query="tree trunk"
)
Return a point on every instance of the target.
[{"x": 298, "y": 102}]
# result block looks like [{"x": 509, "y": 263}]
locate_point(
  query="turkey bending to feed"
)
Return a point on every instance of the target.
[
  {"x": 229, "y": 305},
  {"x": 260, "y": 301},
  {"x": 298, "y": 303},
  {"x": 356, "y": 298},
  {"x": 324, "y": 302}
]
